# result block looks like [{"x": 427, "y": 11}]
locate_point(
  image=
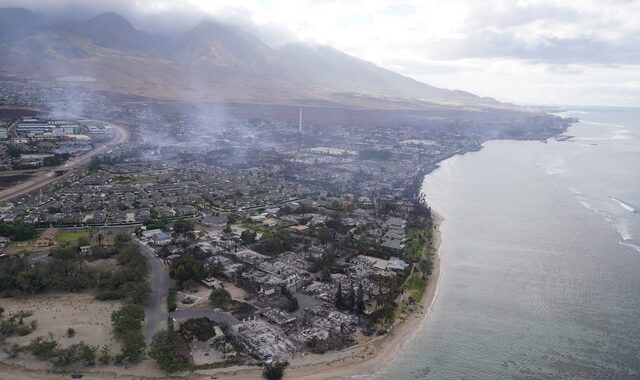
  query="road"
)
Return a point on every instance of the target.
[
  {"x": 156, "y": 311},
  {"x": 44, "y": 178}
]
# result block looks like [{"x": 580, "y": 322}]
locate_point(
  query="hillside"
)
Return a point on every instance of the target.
[{"x": 212, "y": 61}]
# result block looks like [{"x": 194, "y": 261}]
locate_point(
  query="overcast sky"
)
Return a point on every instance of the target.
[{"x": 528, "y": 52}]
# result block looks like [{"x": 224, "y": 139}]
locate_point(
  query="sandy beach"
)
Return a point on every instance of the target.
[{"x": 364, "y": 359}]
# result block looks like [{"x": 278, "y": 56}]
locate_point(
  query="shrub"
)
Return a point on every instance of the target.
[
  {"x": 274, "y": 371},
  {"x": 127, "y": 327},
  {"x": 171, "y": 299},
  {"x": 166, "y": 349},
  {"x": 219, "y": 297},
  {"x": 199, "y": 328},
  {"x": 105, "y": 355}
]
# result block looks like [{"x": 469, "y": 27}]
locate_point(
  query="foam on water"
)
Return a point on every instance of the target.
[
  {"x": 621, "y": 226},
  {"x": 623, "y": 230},
  {"x": 624, "y": 205},
  {"x": 632, "y": 246}
]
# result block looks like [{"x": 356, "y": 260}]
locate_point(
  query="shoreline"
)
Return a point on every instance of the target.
[
  {"x": 379, "y": 351},
  {"x": 358, "y": 361},
  {"x": 361, "y": 360}
]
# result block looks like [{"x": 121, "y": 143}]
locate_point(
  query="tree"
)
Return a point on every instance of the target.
[
  {"x": 274, "y": 243},
  {"x": 360, "y": 306},
  {"x": 105, "y": 355},
  {"x": 94, "y": 165},
  {"x": 233, "y": 218},
  {"x": 292, "y": 301},
  {"x": 28, "y": 281},
  {"x": 166, "y": 350},
  {"x": 129, "y": 317},
  {"x": 352, "y": 299},
  {"x": 83, "y": 241},
  {"x": 14, "y": 151},
  {"x": 127, "y": 327},
  {"x": 274, "y": 371},
  {"x": 182, "y": 226},
  {"x": 23, "y": 231},
  {"x": 201, "y": 329},
  {"x": 88, "y": 354},
  {"x": 293, "y": 304},
  {"x": 171, "y": 299},
  {"x": 339, "y": 298},
  {"x": 132, "y": 347},
  {"x": 248, "y": 237},
  {"x": 186, "y": 268},
  {"x": 219, "y": 297},
  {"x": 324, "y": 235}
]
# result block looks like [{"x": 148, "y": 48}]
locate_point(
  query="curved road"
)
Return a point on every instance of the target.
[{"x": 44, "y": 178}]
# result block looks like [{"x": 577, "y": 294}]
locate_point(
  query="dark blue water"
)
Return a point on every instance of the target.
[{"x": 540, "y": 260}]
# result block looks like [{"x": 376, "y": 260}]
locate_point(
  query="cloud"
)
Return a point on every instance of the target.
[
  {"x": 548, "y": 32},
  {"x": 509, "y": 49},
  {"x": 566, "y": 31}
]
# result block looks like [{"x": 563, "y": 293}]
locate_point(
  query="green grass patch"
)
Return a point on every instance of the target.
[
  {"x": 416, "y": 285},
  {"x": 416, "y": 240},
  {"x": 71, "y": 236}
]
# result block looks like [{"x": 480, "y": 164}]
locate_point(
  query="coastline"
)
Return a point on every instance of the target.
[
  {"x": 378, "y": 352},
  {"x": 361, "y": 360}
]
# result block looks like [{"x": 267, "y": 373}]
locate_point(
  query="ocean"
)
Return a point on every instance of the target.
[{"x": 540, "y": 259}]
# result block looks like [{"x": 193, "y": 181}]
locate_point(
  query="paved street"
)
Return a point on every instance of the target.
[
  {"x": 156, "y": 312},
  {"x": 43, "y": 178}
]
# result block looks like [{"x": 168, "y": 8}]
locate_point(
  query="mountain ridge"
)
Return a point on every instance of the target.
[{"x": 211, "y": 61}]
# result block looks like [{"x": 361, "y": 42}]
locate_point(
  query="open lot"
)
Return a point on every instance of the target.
[
  {"x": 55, "y": 313},
  {"x": 71, "y": 236}
]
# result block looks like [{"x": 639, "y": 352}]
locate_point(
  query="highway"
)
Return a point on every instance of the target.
[{"x": 43, "y": 178}]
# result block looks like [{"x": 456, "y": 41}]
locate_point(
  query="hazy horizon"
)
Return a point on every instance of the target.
[{"x": 548, "y": 52}]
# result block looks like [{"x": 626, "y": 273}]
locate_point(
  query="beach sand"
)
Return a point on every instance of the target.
[{"x": 362, "y": 360}]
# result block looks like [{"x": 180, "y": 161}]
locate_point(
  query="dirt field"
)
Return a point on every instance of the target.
[{"x": 55, "y": 313}]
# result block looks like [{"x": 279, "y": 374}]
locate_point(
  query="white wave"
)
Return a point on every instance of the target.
[
  {"x": 621, "y": 227},
  {"x": 605, "y": 124},
  {"x": 622, "y": 134},
  {"x": 586, "y": 204},
  {"x": 554, "y": 171},
  {"x": 624, "y": 205},
  {"x": 632, "y": 246},
  {"x": 623, "y": 230},
  {"x": 589, "y": 138}
]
